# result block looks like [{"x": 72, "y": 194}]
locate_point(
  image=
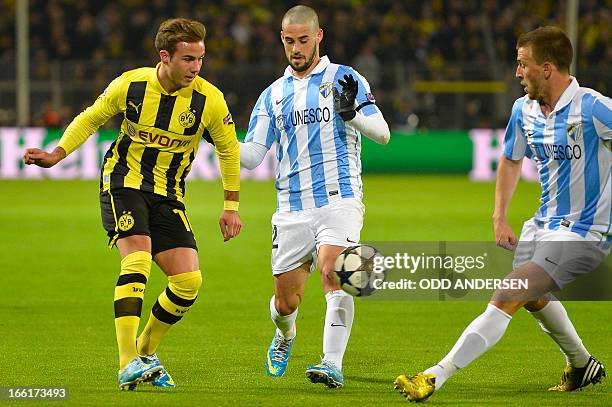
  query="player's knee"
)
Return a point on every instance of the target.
[
  {"x": 136, "y": 262},
  {"x": 186, "y": 285},
  {"x": 286, "y": 305}
]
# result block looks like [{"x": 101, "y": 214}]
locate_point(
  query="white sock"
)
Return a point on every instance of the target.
[
  {"x": 554, "y": 321},
  {"x": 285, "y": 324},
  {"x": 479, "y": 336},
  {"x": 338, "y": 323}
]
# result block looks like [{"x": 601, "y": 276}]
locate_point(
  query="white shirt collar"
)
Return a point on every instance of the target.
[
  {"x": 323, "y": 63},
  {"x": 568, "y": 94}
]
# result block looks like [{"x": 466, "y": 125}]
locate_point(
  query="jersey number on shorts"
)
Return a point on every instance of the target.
[
  {"x": 274, "y": 237},
  {"x": 183, "y": 217}
]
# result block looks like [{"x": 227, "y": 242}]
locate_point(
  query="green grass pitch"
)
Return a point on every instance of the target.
[{"x": 56, "y": 313}]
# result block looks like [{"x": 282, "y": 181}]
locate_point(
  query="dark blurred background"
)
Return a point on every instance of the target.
[{"x": 77, "y": 47}]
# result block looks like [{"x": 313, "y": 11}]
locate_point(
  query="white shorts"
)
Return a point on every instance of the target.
[
  {"x": 297, "y": 236},
  {"x": 563, "y": 254}
]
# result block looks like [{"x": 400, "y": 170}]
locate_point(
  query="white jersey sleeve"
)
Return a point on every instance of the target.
[
  {"x": 515, "y": 143},
  {"x": 252, "y": 154},
  {"x": 602, "y": 117},
  {"x": 373, "y": 127},
  {"x": 261, "y": 124}
]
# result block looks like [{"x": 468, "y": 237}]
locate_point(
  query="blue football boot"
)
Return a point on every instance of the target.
[
  {"x": 278, "y": 355},
  {"x": 327, "y": 373},
  {"x": 135, "y": 372},
  {"x": 163, "y": 380}
]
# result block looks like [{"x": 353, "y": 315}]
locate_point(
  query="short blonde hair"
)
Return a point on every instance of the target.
[{"x": 176, "y": 30}]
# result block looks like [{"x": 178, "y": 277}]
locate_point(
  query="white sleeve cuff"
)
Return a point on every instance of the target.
[{"x": 373, "y": 127}]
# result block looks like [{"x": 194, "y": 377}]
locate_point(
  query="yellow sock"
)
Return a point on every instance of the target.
[
  {"x": 135, "y": 270},
  {"x": 170, "y": 307}
]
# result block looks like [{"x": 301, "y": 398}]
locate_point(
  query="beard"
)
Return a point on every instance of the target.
[
  {"x": 535, "y": 94},
  {"x": 307, "y": 62},
  {"x": 534, "y": 91}
]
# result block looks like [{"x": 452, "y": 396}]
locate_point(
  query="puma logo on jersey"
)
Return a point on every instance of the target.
[{"x": 134, "y": 105}]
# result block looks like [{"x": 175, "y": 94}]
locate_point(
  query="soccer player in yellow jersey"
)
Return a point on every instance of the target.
[{"x": 166, "y": 110}]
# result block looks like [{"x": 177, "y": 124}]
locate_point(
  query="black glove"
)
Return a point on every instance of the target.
[{"x": 345, "y": 102}]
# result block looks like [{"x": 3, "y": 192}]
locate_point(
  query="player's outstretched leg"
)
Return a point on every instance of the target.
[
  {"x": 279, "y": 351},
  {"x": 479, "y": 336},
  {"x": 129, "y": 291},
  {"x": 336, "y": 332},
  {"x": 575, "y": 378},
  {"x": 171, "y": 305},
  {"x": 582, "y": 369}
]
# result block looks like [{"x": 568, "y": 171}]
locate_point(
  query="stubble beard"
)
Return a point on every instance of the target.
[{"x": 307, "y": 63}]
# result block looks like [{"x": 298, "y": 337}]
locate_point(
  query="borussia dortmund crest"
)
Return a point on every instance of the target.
[
  {"x": 326, "y": 89},
  {"x": 187, "y": 118},
  {"x": 126, "y": 221}
]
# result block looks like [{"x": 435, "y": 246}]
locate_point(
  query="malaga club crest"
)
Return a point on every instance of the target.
[
  {"x": 574, "y": 131},
  {"x": 325, "y": 89}
]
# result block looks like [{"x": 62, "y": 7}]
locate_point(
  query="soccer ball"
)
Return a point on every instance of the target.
[{"x": 354, "y": 270}]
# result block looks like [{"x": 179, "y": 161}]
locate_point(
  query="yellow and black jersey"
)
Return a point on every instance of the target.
[{"x": 160, "y": 133}]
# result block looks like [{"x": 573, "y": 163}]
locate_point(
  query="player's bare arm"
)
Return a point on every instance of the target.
[
  {"x": 42, "y": 158},
  {"x": 508, "y": 174},
  {"x": 230, "y": 222}
]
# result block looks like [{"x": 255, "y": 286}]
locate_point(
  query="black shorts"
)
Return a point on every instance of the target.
[{"x": 128, "y": 212}]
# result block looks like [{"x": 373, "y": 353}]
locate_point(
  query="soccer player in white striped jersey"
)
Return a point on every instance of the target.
[
  {"x": 567, "y": 131},
  {"x": 316, "y": 113}
]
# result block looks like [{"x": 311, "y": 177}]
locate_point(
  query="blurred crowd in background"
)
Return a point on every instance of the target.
[{"x": 85, "y": 44}]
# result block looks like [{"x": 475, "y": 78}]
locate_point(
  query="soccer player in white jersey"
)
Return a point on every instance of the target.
[
  {"x": 316, "y": 113},
  {"x": 567, "y": 131}
]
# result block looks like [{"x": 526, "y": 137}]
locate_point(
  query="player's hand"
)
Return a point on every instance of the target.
[
  {"x": 504, "y": 236},
  {"x": 43, "y": 159},
  {"x": 230, "y": 224},
  {"x": 344, "y": 101}
]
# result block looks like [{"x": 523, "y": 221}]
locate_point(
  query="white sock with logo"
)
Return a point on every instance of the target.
[
  {"x": 553, "y": 320},
  {"x": 285, "y": 324},
  {"x": 479, "y": 336},
  {"x": 338, "y": 323}
]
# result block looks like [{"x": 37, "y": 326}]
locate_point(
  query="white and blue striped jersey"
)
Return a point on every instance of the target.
[
  {"x": 573, "y": 152},
  {"x": 318, "y": 153}
]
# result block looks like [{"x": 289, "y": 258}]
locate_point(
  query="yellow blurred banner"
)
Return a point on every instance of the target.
[{"x": 460, "y": 86}]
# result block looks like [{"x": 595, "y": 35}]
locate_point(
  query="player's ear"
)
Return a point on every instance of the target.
[
  {"x": 548, "y": 68},
  {"x": 164, "y": 56},
  {"x": 282, "y": 36},
  {"x": 320, "y": 36}
]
